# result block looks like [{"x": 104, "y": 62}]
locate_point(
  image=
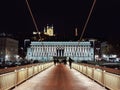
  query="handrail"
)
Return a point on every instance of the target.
[
  {"x": 110, "y": 70},
  {"x": 106, "y": 79},
  {"x": 12, "y": 79}
]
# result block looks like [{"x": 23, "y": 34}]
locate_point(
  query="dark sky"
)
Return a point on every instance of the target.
[{"x": 65, "y": 15}]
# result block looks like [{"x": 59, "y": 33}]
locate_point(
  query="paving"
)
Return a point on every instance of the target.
[{"x": 59, "y": 77}]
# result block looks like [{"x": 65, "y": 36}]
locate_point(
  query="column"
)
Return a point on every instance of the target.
[
  {"x": 57, "y": 52},
  {"x": 61, "y": 52}
]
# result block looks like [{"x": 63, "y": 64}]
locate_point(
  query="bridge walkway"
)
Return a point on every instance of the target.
[{"x": 59, "y": 77}]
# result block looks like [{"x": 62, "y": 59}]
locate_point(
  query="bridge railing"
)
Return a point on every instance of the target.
[
  {"x": 12, "y": 79},
  {"x": 108, "y": 80}
]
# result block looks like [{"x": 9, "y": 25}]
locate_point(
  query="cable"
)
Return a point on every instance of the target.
[
  {"x": 36, "y": 27},
  {"x": 94, "y": 2},
  {"x": 87, "y": 20}
]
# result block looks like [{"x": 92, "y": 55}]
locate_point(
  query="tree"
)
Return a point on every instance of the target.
[
  {"x": 108, "y": 49},
  {"x": 112, "y": 49}
]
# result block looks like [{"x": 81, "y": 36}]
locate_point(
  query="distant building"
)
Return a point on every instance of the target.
[
  {"x": 59, "y": 50},
  {"x": 26, "y": 44},
  {"x": 46, "y": 34},
  {"x": 49, "y": 31},
  {"x": 104, "y": 50},
  {"x": 8, "y": 49},
  {"x": 34, "y": 33}
]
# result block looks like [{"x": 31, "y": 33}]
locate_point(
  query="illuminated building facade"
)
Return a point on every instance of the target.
[
  {"x": 8, "y": 49},
  {"x": 49, "y": 50}
]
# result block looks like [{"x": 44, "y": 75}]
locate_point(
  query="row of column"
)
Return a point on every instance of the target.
[
  {"x": 38, "y": 51},
  {"x": 60, "y": 52}
]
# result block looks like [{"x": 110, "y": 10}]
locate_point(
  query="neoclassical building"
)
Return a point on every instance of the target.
[{"x": 58, "y": 50}]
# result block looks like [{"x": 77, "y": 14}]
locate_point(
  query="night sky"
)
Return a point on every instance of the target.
[{"x": 65, "y": 15}]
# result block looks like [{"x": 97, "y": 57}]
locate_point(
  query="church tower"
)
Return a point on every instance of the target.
[{"x": 76, "y": 32}]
